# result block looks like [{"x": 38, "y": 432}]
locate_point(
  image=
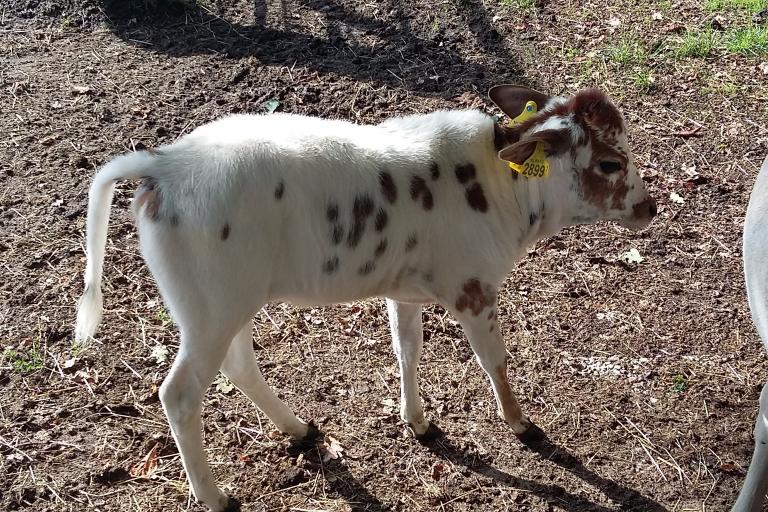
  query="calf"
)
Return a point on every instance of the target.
[
  {"x": 420, "y": 209},
  {"x": 756, "y": 273}
]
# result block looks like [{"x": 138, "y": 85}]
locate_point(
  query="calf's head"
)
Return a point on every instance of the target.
[{"x": 593, "y": 175}]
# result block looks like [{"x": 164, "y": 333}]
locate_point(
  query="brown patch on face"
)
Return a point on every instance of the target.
[
  {"x": 280, "y": 190},
  {"x": 420, "y": 190},
  {"x": 601, "y": 190},
  {"x": 331, "y": 265},
  {"x": 465, "y": 173},
  {"x": 381, "y": 220},
  {"x": 361, "y": 210},
  {"x": 594, "y": 107},
  {"x": 381, "y": 248},
  {"x": 388, "y": 187},
  {"x": 475, "y": 297},
  {"x": 225, "y": 232},
  {"x": 148, "y": 196},
  {"x": 476, "y": 198},
  {"x": 434, "y": 171},
  {"x": 411, "y": 242},
  {"x": 366, "y": 269}
]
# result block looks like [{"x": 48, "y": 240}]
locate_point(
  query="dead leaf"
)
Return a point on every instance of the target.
[
  {"x": 469, "y": 99},
  {"x": 332, "y": 449},
  {"x": 86, "y": 377},
  {"x": 437, "y": 470},
  {"x": 147, "y": 465},
  {"x": 729, "y": 468},
  {"x": 81, "y": 89},
  {"x": 676, "y": 198},
  {"x": 763, "y": 67},
  {"x": 631, "y": 256}
]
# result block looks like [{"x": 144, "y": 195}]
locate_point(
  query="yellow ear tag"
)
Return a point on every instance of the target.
[
  {"x": 529, "y": 111},
  {"x": 536, "y": 166}
]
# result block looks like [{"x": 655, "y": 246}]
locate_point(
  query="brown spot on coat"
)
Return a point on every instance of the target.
[
  {"x": 381, "y": 220},
  {"x": 337, "y": 234},
  {"x": 434, "y": 171},
  {"x": 361, "y": 210},
  {"x": 388, "y": 187},
  {"x": 332, "y": 212},
  {"x": 331, "y": 265},
  {"x": 381, "y": 248},
  {"x": 366, "y": 269},
  {"x": 475, "y": 297},
  {"x": 476, "y": 198},
  {"x": 465, "y": 173},
  {"x": 225, "y": 232},
  {"x": 280, "y": 190},
  {"x": 420, "y": 191},
  {"x": 411, "y": 242}
]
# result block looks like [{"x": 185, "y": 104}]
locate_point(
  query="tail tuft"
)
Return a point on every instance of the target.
[{"x": 89, "y": 311}]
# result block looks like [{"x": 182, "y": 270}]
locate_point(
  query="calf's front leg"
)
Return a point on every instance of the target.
[{"x": 475, "y": 309}]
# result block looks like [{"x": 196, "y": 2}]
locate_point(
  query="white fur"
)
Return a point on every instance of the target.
[
  {"x": 222, "y": 178},
  {"x": 756, "y": 271}
]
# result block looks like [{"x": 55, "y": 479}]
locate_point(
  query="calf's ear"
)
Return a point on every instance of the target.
[
  {"x": 511, "y": 99},
  {"x": 556, "y": 142}
]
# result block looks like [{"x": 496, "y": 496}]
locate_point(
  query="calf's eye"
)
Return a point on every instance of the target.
[{"x": 609, "y": 166}]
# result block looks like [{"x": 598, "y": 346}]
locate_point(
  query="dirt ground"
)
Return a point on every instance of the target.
[{"x": 645, "y": 376}]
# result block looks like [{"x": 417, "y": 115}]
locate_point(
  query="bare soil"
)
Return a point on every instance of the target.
[{"x": 645, "y": 376}]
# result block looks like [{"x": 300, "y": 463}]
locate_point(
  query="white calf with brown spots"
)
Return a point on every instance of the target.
[
  {"x": 755, "y": 486},
  {"x": 420, "y": 209}
]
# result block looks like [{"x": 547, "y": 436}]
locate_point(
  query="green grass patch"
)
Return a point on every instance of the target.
[
  {"x": 519, "y": 4},
  {"x": 750, "y": 41},
  {"x": 643, "y": 80},
  {"x": 745, "y": 5},
  {"x": 678, "y": 383},
  {"x": 696, "y": 44},
  {"x": 628, "y": 51},
  {"x": 163, "y": 317},
  {"x": 24, "y": 362}
]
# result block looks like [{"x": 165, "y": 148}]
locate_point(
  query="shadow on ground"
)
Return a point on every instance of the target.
[
  {"x": 397, "y": 47},
  {"x": 625, "y": 498}
]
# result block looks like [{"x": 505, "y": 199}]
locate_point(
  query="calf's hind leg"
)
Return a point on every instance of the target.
[
  {"x": 200, "y": 354},
  {"x": 756, "y": 484},
  {"x": 242, "y": 368},
  {"x": 407, "y": 340}
]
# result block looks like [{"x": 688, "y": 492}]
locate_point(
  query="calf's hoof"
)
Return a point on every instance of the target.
[
  {"x": 233, "y": 505},
  {"x": 533, "y": 434},
  {"x": 309, "y": 439},
  {"x": 433, "y": 432}
]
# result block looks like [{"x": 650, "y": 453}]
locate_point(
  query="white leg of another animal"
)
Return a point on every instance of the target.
[
  {"x": 407, "y": 340},
  {"x": 756, "y": 484},
  {"x": 242, "y": 368},
  {"x": 488, "y": 345},
  {"x": 182, "y": 394}
]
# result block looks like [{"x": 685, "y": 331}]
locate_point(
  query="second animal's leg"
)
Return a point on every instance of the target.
[{"x": 756, "y": 484}]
